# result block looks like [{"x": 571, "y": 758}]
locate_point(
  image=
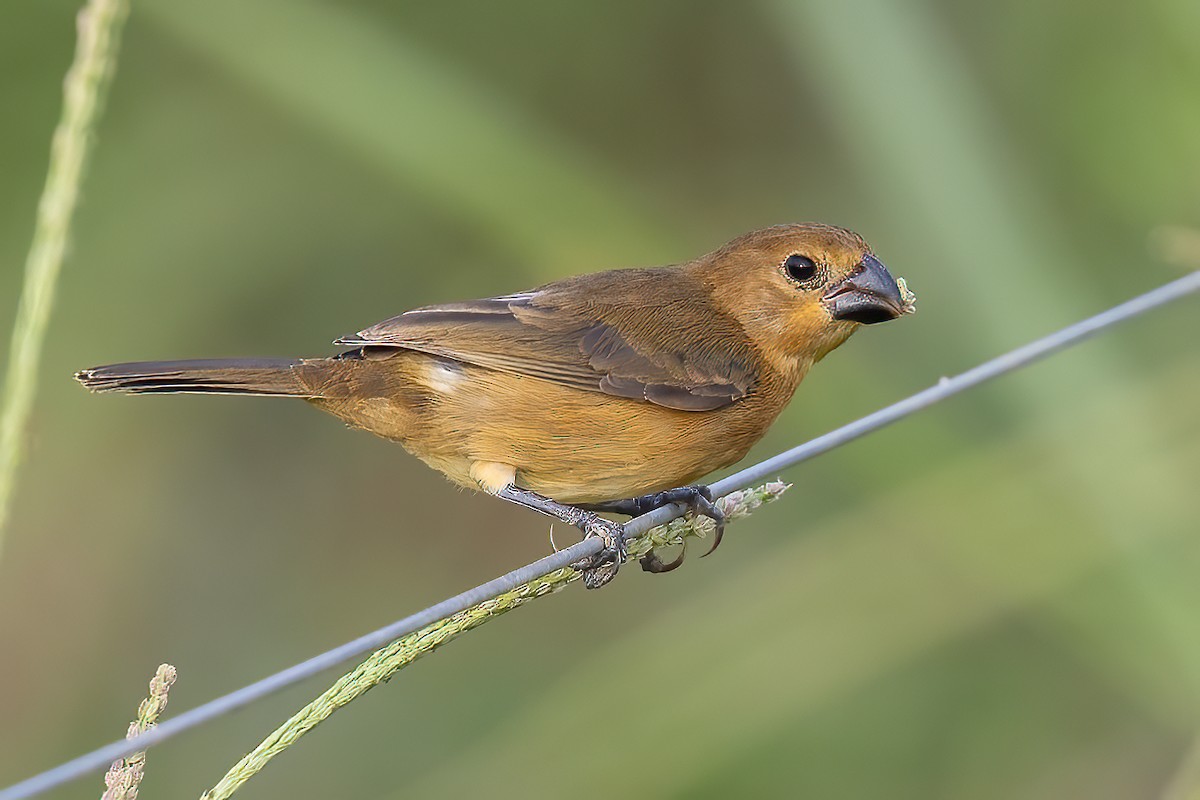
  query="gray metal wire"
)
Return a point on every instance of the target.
[{"x": 1023, "y": 356}]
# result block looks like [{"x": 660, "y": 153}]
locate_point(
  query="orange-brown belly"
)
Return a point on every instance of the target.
[{"x": 574, "y": 446}]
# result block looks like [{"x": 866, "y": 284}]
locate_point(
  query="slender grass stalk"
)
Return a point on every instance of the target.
[
  {"x": 381, "y": 665},
  {"x": 125, "y": 775},
  {"x": 99, "y": 24}
]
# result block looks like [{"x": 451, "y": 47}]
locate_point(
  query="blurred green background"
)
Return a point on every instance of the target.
[{"x": 995, "y": 599}]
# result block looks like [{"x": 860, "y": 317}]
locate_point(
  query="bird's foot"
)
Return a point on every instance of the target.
[
  {"x": 602, "y": 567},
  {"x": 698, "y": 499},
  {"x": 700, "y": 502}
]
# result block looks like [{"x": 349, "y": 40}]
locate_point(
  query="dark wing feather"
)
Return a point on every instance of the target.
[{"x": 664, "y": 342}]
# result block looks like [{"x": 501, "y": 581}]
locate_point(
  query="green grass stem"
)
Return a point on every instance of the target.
[
  {"x": 381, "y": 665},
  {"x": 99, "y": 25}
]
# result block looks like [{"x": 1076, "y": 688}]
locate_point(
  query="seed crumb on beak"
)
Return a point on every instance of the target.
[{"x": 907, "y": 298}]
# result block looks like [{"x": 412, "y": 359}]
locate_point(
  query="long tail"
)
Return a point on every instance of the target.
[{"x": 281, "y": 377}]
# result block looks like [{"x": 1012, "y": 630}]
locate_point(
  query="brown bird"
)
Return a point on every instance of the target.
[{"x": 613, "y": 391}]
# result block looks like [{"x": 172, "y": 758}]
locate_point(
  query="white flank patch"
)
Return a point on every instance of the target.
[{"x": 444, "y": 378}]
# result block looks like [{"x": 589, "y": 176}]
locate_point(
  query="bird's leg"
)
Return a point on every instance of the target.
[
  {"x": 698, "y": 499},
  {"x": 600, "y": 568}
]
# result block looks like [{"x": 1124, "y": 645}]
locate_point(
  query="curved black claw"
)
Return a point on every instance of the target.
[
  {"x": 701, "y": 502},
  {"x": 602, "y": 567},
  {"x": 652, "y": 563}
]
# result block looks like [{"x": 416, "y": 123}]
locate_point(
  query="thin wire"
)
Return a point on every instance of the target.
[{"x": 947, "y": 387}]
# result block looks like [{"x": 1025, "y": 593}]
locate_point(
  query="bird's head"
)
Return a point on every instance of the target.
[{"x": 801, "y": 290}]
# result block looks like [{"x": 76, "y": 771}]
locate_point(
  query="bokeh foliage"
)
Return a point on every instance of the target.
[{"x": 996, "y": 599}]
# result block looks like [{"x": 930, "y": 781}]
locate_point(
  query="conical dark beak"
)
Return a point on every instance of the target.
[{"x": 868, "y": 295}]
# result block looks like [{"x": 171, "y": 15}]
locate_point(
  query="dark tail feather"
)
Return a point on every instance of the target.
[{"x": 262, "y": 376}]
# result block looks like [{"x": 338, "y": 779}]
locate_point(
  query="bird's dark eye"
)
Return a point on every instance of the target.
[{"x": 801, "y": 269}]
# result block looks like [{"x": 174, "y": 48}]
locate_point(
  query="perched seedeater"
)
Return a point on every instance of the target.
[{"x": 613, "y": 391}]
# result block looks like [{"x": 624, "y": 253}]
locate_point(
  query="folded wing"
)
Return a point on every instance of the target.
[{"x": 664, "y": 342}]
